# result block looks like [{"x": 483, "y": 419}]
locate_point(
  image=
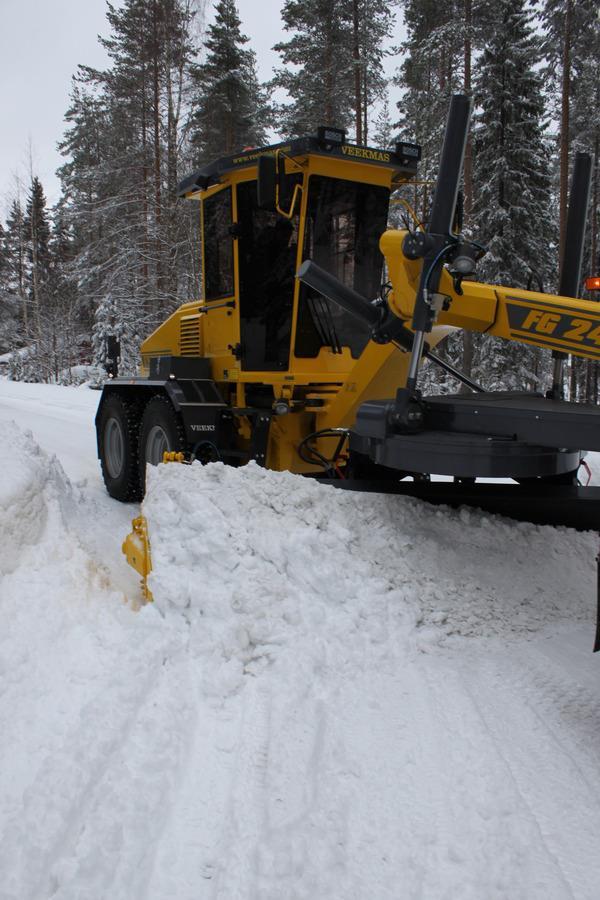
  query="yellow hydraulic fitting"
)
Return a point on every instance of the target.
[
  {"x": 136, "y": 548},
  {"x": 173, "y": 456}
]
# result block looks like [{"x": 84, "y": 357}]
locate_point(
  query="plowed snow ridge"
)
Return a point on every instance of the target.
[{"x": 334, "y": 696}]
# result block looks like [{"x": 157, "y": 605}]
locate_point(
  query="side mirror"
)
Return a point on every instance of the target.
[
  {"x": 266, "y": 185},
  {"x": 112, "y": 352}
]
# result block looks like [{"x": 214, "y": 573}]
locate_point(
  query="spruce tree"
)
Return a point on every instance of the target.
[
  {"x": 15, "y": 271},
  {"x": 430, "y": 73},
  {"x": 229, "y": 105},
  {"x": 513, "y": 206},
  {"x": 514, "y": 215},
  {"x": 570, "y": 32},
  {"x": 575, "y": 89},
  {"x": 439, "y": 49},
  {"x": 8, "y": 301},
  {"x": 36, "y": 226},
  {"x": 383, "y": 134}
]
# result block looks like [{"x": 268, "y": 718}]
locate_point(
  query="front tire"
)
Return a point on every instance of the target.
[
  {"x": 118, "y": 427},
  {"x": 161, "y": 430}
]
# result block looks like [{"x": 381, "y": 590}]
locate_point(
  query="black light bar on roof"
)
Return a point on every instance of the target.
[
  {"x": 408, "y": 152},
  {"x": 329, "y": 136}
]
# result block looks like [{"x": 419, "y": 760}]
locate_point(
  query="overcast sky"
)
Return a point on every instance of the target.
[{"x": 41, "y": 44}]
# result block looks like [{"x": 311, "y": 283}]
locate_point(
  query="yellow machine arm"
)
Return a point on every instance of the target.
[{"x": 531, "y": 317}]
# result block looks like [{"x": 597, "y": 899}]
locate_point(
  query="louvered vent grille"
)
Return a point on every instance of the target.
[{"x": 189, "y": 335}]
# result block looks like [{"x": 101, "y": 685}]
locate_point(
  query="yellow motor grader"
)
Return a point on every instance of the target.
[{"x": 304, "y": 352}]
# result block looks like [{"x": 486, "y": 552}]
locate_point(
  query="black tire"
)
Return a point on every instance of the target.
[
  {"x": 118, "y": 429},
  {"x": 161, "y": 430}
]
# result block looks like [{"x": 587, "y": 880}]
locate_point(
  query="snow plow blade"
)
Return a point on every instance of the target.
[
  {"x": 571, "y": 506},
  {"x": 136, "y": 548},
  {"x": 597, "y": 640}
]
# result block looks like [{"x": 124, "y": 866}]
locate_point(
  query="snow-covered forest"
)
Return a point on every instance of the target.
[{"x": 118, "y": 251}]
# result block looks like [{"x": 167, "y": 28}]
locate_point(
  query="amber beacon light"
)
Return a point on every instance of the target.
[{"x": 592, "y": 283}]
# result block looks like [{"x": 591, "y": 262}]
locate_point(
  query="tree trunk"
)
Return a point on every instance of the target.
[
  {"x": 144, "y": 178},
  {"x": 35, "y": 272},
  {"x": 357, "y": 72},
  {"x": 467, "y": 358},
  {"x": 328, "y": 105},
  {"x": 157, "y": 167},
  {"x": 564, "y": 126},
  {"x": 468, "y": 168},
  {"x": 595, "y": 262}
]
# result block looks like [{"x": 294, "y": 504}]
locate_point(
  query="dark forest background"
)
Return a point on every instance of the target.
[{"x": 118, "y": 252}]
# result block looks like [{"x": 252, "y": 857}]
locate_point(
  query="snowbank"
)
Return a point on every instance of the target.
[
  {"x": 270, "y": 726},
  {"x": 262, "y": 560},
  {"x": 76, "y": 669},
  {"x": 364, "y": 767}
]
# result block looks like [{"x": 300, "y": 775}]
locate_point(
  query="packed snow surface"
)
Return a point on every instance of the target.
[{"x": 334, "y": 696}]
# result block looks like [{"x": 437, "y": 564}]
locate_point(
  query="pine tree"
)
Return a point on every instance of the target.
[
  {"x": 124, "y": 158},
  {"x": 230, "y": 109},
  {"x": 318, "y": 69},
  {"x": 372, "y": 23},
  {"x": 333, "y": 63}
]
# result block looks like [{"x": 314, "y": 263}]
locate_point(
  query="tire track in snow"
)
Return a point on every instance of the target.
[
  {"x": 246, "y": 816},
  {"x": 186, "y": 858},
  {"x": 124, "y": 810},
  {"x": 557, "y": 783},
  {"x": 442, "y": 818},
  {"x": 489, "y": 831},
  {"x": 307, "y": 794},
  {"x": 63, "y": 800}
]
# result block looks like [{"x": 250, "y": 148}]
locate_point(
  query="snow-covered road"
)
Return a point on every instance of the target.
[{"x": 334, "y": 696}]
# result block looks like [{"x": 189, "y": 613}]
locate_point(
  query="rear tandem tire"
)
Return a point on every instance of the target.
[
  {"x": 161, "y": 430},
  {"x": 118, "y": 428}
]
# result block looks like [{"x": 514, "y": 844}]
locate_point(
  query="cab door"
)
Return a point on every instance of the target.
[
  {"x": 218, "y": 273},
  {"x": 267, "y": 258}
]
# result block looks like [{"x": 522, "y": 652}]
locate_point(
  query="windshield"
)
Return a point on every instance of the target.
[{"x": 344, "y": 222}]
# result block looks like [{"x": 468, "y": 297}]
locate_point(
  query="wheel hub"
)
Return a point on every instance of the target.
[
  {"x": 157, "y": 443},
  {"x": 114, "y": 447}
]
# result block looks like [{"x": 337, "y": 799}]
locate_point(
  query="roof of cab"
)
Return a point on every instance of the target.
[{"x": 404, "y": 163}]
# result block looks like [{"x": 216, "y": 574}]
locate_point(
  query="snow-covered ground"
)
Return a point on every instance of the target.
[{"x": 333, "y": 697}]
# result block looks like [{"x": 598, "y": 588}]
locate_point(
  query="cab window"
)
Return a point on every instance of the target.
[
  {"x": 344, "y": 221},
  {"x": 218, "y": 246},
  {"x": 267, "y": 251}
]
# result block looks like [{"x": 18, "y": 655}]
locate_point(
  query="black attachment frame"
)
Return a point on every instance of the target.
[
  {"x": 597, "y": 638},
  {"x": 439, "y": 228},
  {"x": 384, "y": 325}
]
